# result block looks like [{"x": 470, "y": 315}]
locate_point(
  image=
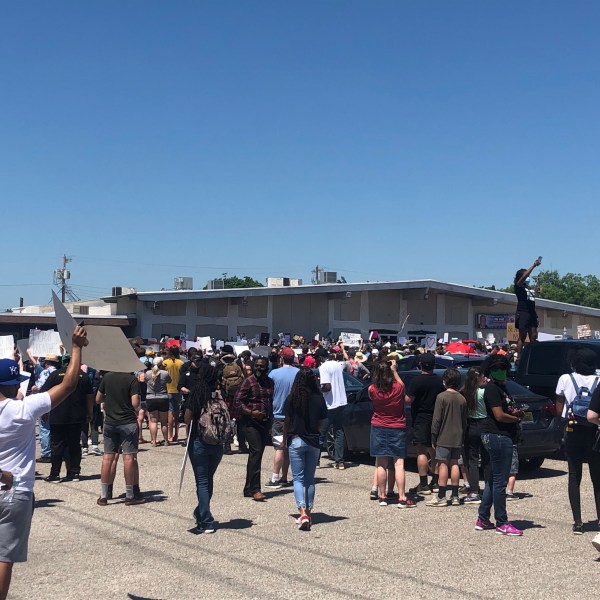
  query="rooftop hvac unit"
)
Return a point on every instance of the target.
[
  {"x": 327, "y": 277},
  {"x": 215, "y": 284},
  {"x": 123, "y": 291},
  {"x": 184, "y": 283}
]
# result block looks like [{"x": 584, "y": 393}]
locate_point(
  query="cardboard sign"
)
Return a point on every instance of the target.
[
  {"x": 7, "y": 346},
  {"x": 351, "y": 340},
  {"x": 24, "y": 384},
  {"x": 44, "y": 342},
  {"x": 171, "y": 343},
  {"x": 430, "y": 342},
  {"x": 219, "y": 344},
  {"x": 109, "y": 350},
  {"x": 402, "y": 340},
  {"x": 23, "y": 346},
  {"x": 65, "y": 323},
  {"x": 584, "y": 331},
  {"x": 512, "y": 333},
  {"x": 189, "y": 345},
  {"x": 239, "y": 348},
  {"x": 205, "y": 343},
  {"x": 446, "y": 336}
]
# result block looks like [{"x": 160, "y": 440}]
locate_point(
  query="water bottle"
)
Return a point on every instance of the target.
[{"x": 8, "y": 495}]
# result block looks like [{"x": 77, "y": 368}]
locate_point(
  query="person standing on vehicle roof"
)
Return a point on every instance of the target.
[{"x": 526, "y": 319}]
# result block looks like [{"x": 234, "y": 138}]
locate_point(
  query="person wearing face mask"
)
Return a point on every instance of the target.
[
  {"x": 526, "y": 319},
  {"x": 499, "y": 434},
  {"x": 253, "y": 403}
]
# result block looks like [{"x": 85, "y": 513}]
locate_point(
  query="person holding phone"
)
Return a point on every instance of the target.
[{"x": 526, "y": 319}]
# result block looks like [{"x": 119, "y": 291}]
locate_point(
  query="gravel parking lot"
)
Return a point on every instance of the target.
[{"x": 356, "y": 548}]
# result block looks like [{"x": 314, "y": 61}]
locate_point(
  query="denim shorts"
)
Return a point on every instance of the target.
[
  {"x": 121, "y": 438},
  {"x": 174, "y": 403},
  {"x": 15, "y": 525},
  {"x": 444, "y": 454},
  {"x": 388, "y": 441}
]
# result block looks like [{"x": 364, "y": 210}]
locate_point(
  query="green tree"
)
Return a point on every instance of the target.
[{"x": 237, "y": 282}]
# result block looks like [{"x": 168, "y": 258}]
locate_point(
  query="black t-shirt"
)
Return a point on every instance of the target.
[
  {"x": 494, "y": 395},
  {"x": 424, "y": 389},
  {"x": 306, "y": 426},
  {"x": 118, "y": 388},
  {"x": 73, "y": 410},
  {"x": 525, "y": 299},
  {"x": 595, "y": 401}
]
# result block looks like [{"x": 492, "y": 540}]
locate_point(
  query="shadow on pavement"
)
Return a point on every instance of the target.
[
  {"x": 524, "y": 525},
  {"x": 134, "y": 597},
  {"x": 541, "y": 473},
  {"x": 235, "y": 524},
  {"x": 47, "y": 503},
  {"x": 321, "y": 518}
]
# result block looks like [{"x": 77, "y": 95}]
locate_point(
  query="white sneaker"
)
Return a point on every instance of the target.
[
  {"x": 96, "y": 451},
  {"x": 596, "y": 542},
  {"x": 89, "y": 441},
  {"x": 235, "y": 442},
  {"x": 84, "y": 452}
]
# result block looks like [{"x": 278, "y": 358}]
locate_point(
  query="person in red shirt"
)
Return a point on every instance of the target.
[{"x": 388, "y": 428}]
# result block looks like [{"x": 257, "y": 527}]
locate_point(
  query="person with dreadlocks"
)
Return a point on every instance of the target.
[
  {"x": 205, "y": 457},
  {"x": 305, "y": 411}
]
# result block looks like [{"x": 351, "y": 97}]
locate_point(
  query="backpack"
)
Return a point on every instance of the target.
[
  {"x": 232, "y": 379},
  {"x": 581, "y": 402},
  {"x": 214, "y": 424}
]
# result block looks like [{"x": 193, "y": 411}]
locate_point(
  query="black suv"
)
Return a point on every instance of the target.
[{"x": 542, "y": 363}]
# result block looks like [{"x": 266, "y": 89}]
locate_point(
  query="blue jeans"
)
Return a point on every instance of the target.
[
  {"x": 45, "y": 437},
  {"x": 303, "y": 460},
  {"x": 500, "y": 449},
  {"x": 205, "y": 459}
]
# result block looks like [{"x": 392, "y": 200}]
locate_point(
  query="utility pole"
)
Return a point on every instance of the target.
[{"x": 61, "y": 276}]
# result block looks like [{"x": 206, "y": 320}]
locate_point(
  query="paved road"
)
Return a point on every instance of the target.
[{"x": 356, "y": 549}]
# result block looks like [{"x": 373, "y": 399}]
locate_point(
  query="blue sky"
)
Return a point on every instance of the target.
[{"x": 385, "y": 140}]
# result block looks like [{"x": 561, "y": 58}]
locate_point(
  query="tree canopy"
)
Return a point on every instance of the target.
[{"x": 237, "y": 282}]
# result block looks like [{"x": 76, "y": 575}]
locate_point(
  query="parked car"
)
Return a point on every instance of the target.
[
  {"x": 541, "y": 364},
  {"x": 541, "y": 430}
]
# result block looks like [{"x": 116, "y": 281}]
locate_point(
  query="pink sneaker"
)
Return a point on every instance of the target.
[
  {"x": 508, "y": 529},
  {"x": 483, "y": 524}
]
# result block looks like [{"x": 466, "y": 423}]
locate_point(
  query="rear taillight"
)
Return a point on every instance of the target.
[{"x": 550, "y": 407}]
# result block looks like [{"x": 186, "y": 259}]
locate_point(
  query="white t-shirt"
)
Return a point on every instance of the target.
[
  {"x": 17, "y": 436},
  {"x": 331, "y": 371},
  {"x": 565, "y": 388}
]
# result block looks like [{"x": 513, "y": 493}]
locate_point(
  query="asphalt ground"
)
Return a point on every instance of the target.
[{"x": 356, "y": 549}]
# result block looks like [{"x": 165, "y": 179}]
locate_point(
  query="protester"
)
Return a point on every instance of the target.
[
  {"x": 205, "y": 455},
  {"x": 421, "y": 395},
  {"x": 334, "y": 392},
  {"x": 305, "y": 411},
  {"x": 49, "y": 364},
  {"x": 66, "y": 422},
  {"x": 499, "y": 434},
  {"x": 157, "y": 400},
  {"x": 283, "y": 380},
  {"x": 253, "y": 403},
  {"x": 353, "y": 363},
  {"x": 447, "y": 437},
  {"x": 477, "y": 456},
  {"x": 526, "y": 319},
  {"x": 17, "y": 453},
  {"x": 388, "y": 430},
  {"x": 580, "y": 434},
  {"x": 173, "y": 365},
  {"x": 119, "y": 393}
]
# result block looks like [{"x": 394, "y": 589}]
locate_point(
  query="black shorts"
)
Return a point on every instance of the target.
[
  {"x": 158, "y": 404},
  {"x": 525, "y": 321},
  {"x": 422, "y": 429}
]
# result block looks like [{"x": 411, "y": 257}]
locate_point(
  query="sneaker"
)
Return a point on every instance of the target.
[
  {"x": 374, "y": 494},
  {"x": 406, "y": 503},
  {"x": 52, "y": 479},
  {"x": 424, "y": 490},
  {"x": 84, "y": 452},
  {"x": 209, "y": 530},
  {"x": 284, "y": 482},
  {"x": 273, "y": 485},
  {"x": 304, "y": 523},
  {"x": 437, "y": 502},
  {"x": 66, "y": 479},
  {"x": 455, "y": 501},
  {"x": 382, "y": 502},
  {"x": 596, "y": 542},
  {"x": 43, "y": 459},
  {"x": 102, "y": 502},
  {"x": 578, "y": 528},
  {"x": 508, "y": 529},
  {"x": 96, "y": 451},
  {"x": 465, "y": 489},
  {"x": 89, "y": 441},
  {"x": 341, "y": 466},
  {"x": 434, "y": 487},
  {"x": 472, "y": 499},
  {"x": 482, "y": 524},
  {"x": 511, "y": 496}
]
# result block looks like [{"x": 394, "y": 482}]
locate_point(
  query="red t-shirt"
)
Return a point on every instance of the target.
[{"x": 388, "y": 407}]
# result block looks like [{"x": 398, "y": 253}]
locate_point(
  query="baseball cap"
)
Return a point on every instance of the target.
[
  {"x": 427, "y": 360},
  {"x": 9, "y": 372},
  {"x": 287, "y": 352}
]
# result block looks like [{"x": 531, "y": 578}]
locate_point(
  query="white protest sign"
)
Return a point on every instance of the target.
[
  {"x": 7, "y": 346},
  {"x": 297, "y": 351},
  {"x": 24, "y": 384},
  {"x": 479, "y": 335},
  {"x": 238, "y": 349},
  {"x": 65, "y": 323},
  {"x": 402, "y": 340},
  {"x": 109, "y": 350},
  {"x": 189, "y": 345},
  {"x": 23, "y": 346},
  {"x": 446, "y": 336},
  {"x": 44, "y": 342},
  {"x": 430, "y": 341},
  {"x": 352, "y": 340},
  {"x": 490, "y": 338},
  {"x": 205, "y": 343},
  {"x": 219, "y": 344}
]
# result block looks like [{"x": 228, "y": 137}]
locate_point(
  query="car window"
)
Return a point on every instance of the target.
[
  {"x": 351, "y": 382},
  {"x": 546, "y": 360},
  {"x": 406, "y": 364}
]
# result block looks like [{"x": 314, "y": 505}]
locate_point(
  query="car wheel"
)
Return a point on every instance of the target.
[{"x": 531, "y": 464}]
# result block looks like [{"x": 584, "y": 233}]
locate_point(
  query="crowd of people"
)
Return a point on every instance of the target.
[{"x": 289, "y": 395}]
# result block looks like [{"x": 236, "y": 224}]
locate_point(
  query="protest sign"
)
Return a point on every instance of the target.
[
  {"x": 351, "y": 340},
  {"x": 446, "y": 336},
  {"x": 109, "y": 350},
  {"x": 189, "y": 344},
  {"x": 430, "y": 342},
  {"x": 239, "y": 348},
  {"x": 584, "y": 331},
  {"x": 173, "y": 343},
  {"x": 65, "y": 323},
  {"x": 24, "y": 384},
  {"x": 23, "y": 346},
  {"x": 402, "y": 340},
  {"x": 43, "y": 342},
  {"x": 7, "y": 346},
  {"x": 512, "y": 333},
  {"x": 219, "y": 344},
  {"x": 205, "y": 343}
]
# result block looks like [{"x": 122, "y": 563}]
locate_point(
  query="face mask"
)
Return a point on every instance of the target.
[
  {"x": 498, "y": 375},
  {"x": 259, "y": 373}
]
